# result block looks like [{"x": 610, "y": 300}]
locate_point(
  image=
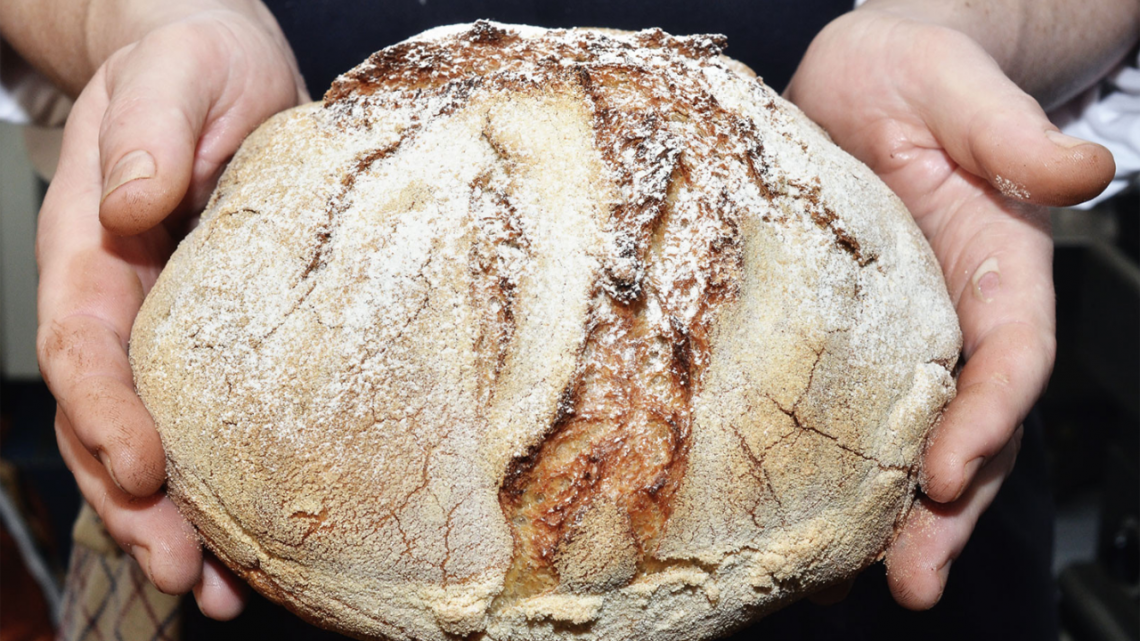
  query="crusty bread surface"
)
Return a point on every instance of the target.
[{"x": 529, "y": 334}]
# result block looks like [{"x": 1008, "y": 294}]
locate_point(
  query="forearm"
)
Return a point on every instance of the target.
[
  {"x": 67, "y": 40},
  {"x": 1052, "y": 49},
  {"x": 50, "y": 34}
]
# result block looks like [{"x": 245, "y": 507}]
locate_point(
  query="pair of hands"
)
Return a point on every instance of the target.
[{"x": 926, "y": 107}]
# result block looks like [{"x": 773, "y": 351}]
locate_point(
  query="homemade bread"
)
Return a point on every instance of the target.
[{"x": 529, "y": 334}]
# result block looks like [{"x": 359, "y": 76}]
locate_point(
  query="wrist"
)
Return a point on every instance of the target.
[
  {"x": 997, "y": 27},
  {"x": 1052, "y": 49},
  {"x": 110, "y": 25}
]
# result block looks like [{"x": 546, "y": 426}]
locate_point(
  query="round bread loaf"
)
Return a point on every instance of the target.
[{"x": 530, "y": 334}]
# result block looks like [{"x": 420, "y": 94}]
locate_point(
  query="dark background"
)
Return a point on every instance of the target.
[
  {"x": 1081, "y": 448},
  {"x": 770, "y": 37}
]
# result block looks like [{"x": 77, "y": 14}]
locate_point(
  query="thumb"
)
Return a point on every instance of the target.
[
  {"x": 180, "y": 102},
  {"x": 998, "y": 132},
  {"x": 155, "y": 114}
]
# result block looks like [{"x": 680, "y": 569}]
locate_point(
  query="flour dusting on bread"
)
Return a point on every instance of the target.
[{"x": 530, "y": 334}]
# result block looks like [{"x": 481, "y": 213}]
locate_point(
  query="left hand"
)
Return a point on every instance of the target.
[
  {"x": 974, "y": 159},
  {"x": 143, "y": 148}
]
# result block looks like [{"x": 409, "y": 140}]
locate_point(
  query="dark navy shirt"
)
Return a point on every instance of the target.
[{"x": 332, "y": 36}]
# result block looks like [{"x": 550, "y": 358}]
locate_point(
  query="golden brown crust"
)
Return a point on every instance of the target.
[{"x": 526, "y": 332}]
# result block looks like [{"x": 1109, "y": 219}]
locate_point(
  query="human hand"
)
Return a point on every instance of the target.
[
  {"x": 974, "y": 158},
  {"x": 143, "y": 148}
]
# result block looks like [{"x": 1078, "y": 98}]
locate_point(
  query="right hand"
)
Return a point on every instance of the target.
[
  {"x": 975, "y": 160},
  {"x": 142, "y": 150}
]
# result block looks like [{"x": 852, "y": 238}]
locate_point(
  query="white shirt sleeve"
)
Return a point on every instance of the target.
[
  {"x": 1109, "y": 114},
  {"x": 26, "y": 96}
]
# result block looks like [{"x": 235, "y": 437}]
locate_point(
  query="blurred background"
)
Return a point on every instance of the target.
[{"x": 1091, "y": 414}]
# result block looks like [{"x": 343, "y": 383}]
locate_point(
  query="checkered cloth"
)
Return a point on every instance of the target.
[{"x": 107, "y": 597}]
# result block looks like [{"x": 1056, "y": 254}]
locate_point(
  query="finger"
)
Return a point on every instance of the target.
[
  {"x": 997, "y": 257},
  {"x": 150, "y": 529},
  {"x": 147, "y": 141},
  {"x": 181, "y": 101},
  {"x": 996, "y": 389},
  {"x": 86, "y": 367},
  {"x": 88, "y": 296},
  {"x": 918, "y": 562},
  {"x": 220, "y": 594},
  {"x": 995, "y": 130}
]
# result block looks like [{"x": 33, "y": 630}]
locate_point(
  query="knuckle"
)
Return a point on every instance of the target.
[
  {"x": 60, "y": 350},
  {"x": 49, "y": 342},
  {"x": 71, "y": 348}
]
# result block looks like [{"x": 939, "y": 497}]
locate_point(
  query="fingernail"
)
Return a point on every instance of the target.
[
  {"x": 971, "y": 470},
  {"x": 1063, "y": 140},
  {"x": 943, "y": 579},
  {"x": 142, "y": 557},
  {"x": 211, "y": 578},
  {"x": 133, "y": 166},
  {"x": 987, "y": 280},
  {"x": 106, "y": 461}
]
